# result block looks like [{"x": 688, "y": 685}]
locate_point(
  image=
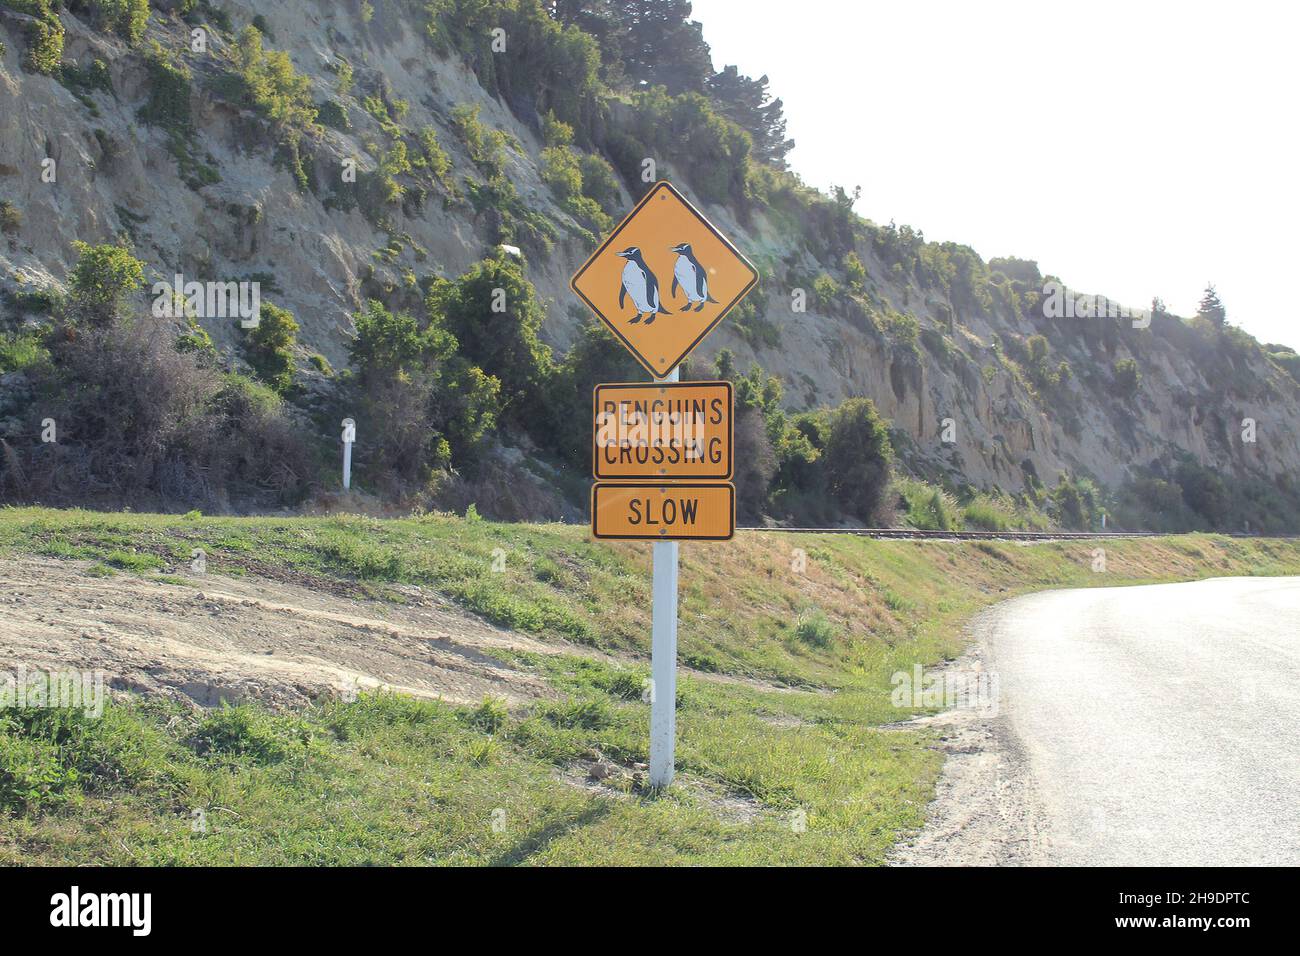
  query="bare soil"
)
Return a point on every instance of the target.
[{"x": 235, "y": 639}]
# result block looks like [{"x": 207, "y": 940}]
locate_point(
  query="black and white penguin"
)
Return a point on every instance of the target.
[
  {"x": 691, "y": 276},
  {"x": 640, "y": 283}
]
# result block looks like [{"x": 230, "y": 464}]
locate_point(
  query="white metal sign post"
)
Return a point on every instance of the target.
[
  {"x": 663, "y": 657},
  {"x": 349, "y": 436}
]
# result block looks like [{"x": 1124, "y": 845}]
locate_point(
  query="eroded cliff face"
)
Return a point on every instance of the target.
[{"x": 115, "y": 175}]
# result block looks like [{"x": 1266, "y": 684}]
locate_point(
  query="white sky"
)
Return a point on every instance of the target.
[{"x": 1133, "y": 149}]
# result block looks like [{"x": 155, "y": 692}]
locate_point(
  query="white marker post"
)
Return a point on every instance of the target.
[
  {"x": 349, "y": 436},
  {"x": 663, "y": 656}
]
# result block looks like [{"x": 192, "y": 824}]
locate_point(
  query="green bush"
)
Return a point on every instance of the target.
[
  {"x": 268, "y": 347},
  {"x": 989, "y": 513},
  {"x": 712, "y": 150},
  {"x": 1204, "y": 492},
  {"x": 244, "y": 731},
  {"x": 168, "y": 105},
  {"x": 44, "y": 35},
  {"x": 270, "y": 84},
  {"x": 127, "y": 18},
  {"x": 858, "y": 457},
  {"x": 11, "y": 218},
  {"x": 815, "y": 629},
  {"x": 486, "y": 147},
  {"x": 333, "y": 114},
  {"x": 562, "y": 171},
  {"x": 1077, "y": 503},
  {"x": 21, "y": 350},
  {"x": 494, "y": 314},
  {"x": 435, "y": 159},
  {"x": 553, "y": 65},
  {"x": 1127, "y": 377},
  {"x": 417, "y": 397},
  {"x": 265, "y": 81},
  {"x": 101, "y": 281},
  {"x": 926, "y": 507}
]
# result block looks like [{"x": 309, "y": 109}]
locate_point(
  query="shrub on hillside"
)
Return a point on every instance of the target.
[
  {"x": 552, "y": 67},
  {"x": 494, "y": 314},
  {"x": 926, "y": 506},
  {"x": 138, "y": 421},
  {"x": 418, "y": 398},
  {"x": 562, "y": 170},
  {"x": 858, "y": 457},
  {"x": 44, "y": 34},
  {"x": 265, "y": 81},
  {"x": 268, "y": 347},
  {"x": 1127, "y": 377},
  {"x": 11, "y": 218},
  {"x": 101, "y": 282},
  {"x": 1077, "y": 502},
  {"x": 127, "y": 18}
]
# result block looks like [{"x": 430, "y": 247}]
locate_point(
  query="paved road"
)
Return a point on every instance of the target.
[
  {"x": 1161, "y": 724},
  {"x": 1154, "y": 725}
]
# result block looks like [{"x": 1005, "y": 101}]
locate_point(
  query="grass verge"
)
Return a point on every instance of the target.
[{"x": 789, "y": 642}]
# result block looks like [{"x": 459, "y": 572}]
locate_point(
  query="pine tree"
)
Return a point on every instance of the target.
[
  {"x": 748, "y": 103},
  {"x": 1211, "y": 308},
  {"x": 661, "y": 46}
]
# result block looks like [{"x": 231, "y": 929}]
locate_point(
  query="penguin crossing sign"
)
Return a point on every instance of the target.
[
  {"x": 662, "y": 430},
  {"x": 664, "y": 279},
  {"x": 661, "y": 282}
]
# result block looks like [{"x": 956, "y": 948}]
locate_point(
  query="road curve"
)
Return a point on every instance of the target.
[{"x": 1155, "y": 725}]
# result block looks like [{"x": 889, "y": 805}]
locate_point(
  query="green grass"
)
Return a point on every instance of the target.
[{"x": 796, "y": 727}]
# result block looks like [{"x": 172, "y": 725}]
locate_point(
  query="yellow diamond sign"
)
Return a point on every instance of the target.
[{"x": 663, "y": 279}]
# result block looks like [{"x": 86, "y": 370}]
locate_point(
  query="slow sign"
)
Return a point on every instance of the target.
[{"x": 681, "y": 511}]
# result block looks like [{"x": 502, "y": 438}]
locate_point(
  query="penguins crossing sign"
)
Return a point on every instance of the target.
[
  {"x": 661, "y": 282},
  {"x": 662, "y": 430},
  {"x": 664, "y": 279}
]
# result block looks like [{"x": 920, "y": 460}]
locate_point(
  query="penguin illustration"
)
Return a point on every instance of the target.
[
  {"x": 691, "y": 276},
  {"x": 640, "y": 283}
]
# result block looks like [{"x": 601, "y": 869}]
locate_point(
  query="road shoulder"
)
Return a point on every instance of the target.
[{"x": 986, "y": 809}]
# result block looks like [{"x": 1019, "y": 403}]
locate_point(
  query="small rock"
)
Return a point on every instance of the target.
[{"x": 600, "y": 771}]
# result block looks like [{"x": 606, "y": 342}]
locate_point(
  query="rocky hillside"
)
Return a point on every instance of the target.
[{"x": 463, "y": 138}]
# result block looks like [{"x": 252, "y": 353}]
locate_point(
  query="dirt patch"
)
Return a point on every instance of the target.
[{"x": 237, "y": 639}]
